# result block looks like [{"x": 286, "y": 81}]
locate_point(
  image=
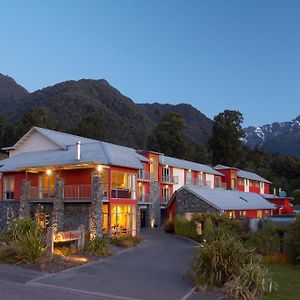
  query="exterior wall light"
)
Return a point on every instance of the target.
[
  {"x": 48, "y": 172},
  {"x": 99, "y": 168},
  {"x": 152, "y": 223}
]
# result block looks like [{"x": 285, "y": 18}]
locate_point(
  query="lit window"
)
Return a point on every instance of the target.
[{"x": 8, "y": 188}]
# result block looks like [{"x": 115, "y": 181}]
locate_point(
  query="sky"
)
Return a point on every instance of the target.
[{"x": 215, "y": 55}]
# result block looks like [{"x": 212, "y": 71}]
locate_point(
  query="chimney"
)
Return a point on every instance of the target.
[{"x": 78, "y": 144}]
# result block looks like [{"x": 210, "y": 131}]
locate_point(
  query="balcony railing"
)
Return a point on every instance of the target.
[
  {"x": 221, "y": 185},
  {"x": 143, "y": 175},
  {"x": 37, "y": 193},
  {"x": 77, "y": 192},
  {"x": 169, "y": 179},
  {"x": 165, "y": 199},
  {"x": 144, "y": 198},
  {"x": 198, "y": 182}
]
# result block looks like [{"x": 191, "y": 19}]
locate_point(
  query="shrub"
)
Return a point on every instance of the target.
[
  {"x": 169, "y": 226},
  {"x": 208, "y": 229},
  {"x": 99, "y": 247},
  {"x": 218, "y": 260},
  {"x": 126, "y": 241},
  {"x": 293, "y": 240},
  {"x": 185, "y": 228},
  {"x": 29, "y": 246},
  {"x": 252, "y": 281},
  {"x": 25, "y": 240}
]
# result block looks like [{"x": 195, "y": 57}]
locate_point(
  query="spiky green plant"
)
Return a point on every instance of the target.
[{"x": 99, "y": 247}]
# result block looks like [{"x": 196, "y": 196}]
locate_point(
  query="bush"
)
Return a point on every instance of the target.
[
  {"x": 169, "y": 226},
  {"x": 217, "y": 261},
  {"x": 26, "y": 240},
  {"x": 99, "y": 247},
  {"x": 184, "y": 227},
  {"x": 208, "y": 229},
  {"x": 293, "y": 240},
  {"x": 126, "y": 241},
  {"x": 252, "y": 281},
  {"x": 29, "y": 246}
]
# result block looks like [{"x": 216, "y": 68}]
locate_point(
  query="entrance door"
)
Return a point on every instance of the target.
[{"x": 143, "y": 219}]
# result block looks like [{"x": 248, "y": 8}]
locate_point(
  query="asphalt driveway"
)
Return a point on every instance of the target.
[{"x": 156, "y": 269}]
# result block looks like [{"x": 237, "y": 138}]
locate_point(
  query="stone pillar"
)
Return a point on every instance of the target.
[
  {"x": 24, "y": 210},
  {"x": 154, "y": 209},
  {"x": 96, "y": 207},
  {"x": 58, "y": 206},
  {"x": 138, "y": 218}
]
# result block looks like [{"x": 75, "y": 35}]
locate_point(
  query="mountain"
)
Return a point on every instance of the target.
[
  {"x": 124, "y": 121},
  {"x": 10, "y": 92},
  {"x": 283, "y": 138}
]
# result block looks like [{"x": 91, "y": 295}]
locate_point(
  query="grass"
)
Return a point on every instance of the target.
[{"x": 288, "y": 279}]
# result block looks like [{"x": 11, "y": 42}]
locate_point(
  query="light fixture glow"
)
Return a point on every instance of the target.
[
  {"x": 99, "y": 168},
  {"x": 48, "y": 172}
]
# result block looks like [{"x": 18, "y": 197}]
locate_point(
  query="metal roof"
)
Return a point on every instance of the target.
[
  {"x": 252, "y": 176},
  {"x": 230, "y": 200},
  {"x": 96, "y": 152},
  {"x": 243, "y": 173},
  {"x": 188, "y": 165}
]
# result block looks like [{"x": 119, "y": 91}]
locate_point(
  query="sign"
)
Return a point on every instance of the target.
[{"x": 66, "y": 236}]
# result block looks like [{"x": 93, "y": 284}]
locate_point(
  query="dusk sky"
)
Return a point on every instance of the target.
[{"x": 215, "y": 55}]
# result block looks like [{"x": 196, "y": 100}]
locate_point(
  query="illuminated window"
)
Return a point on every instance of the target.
[
  {"x": 259, "y": 214},
  {"x": 123, "y": 185},
  {"x": 46, "y": 185},
  {"x": 8, "y": 187},
  {"x": 166, "y": 194},
  {"x": 105, "y": 219},
  {"x": 123, "y": 219}
]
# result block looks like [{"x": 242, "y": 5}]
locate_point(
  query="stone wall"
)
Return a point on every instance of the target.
[
  {"x": 188, "y": 202},
  {"x": 43, "y": 208},
  {"x": 154, "y": 209},
  {"x": 9, "y": 211},
  {"x": 76, "y": 214}
]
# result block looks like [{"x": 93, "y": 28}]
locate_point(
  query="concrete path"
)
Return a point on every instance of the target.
[{"x": 156, "y": 269}]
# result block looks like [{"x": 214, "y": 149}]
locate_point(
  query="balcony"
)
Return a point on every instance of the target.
[
  {"x": 169, "y": 179},
  {"x": 77, "y": 192},
  {"x": 221, "y": 185},
  {"x": 143, "y": 199},
  {"x": 143, "y": 175},
  {"x": 198, "y": 182}
]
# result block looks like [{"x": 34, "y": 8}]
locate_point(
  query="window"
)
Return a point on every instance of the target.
[
  {"x": 218, "y": 182},
  {"x": 8, "y": 188},
  {"x": 188, "y": 177},
  {"x": 46, "y": 185},
  {"x": 105, "y": 219},
  {"x": 153, "y": 167},
  {"x": 240, "y": 181},
  {"x": 123, "y": 219},
  {"x": 251, "y": 183},
  {"x": 259, "y": 214},
  {"x": 166, "y": 174},
  {"x": 123, "y": 185},
  {"x": 166, "y": 194}
]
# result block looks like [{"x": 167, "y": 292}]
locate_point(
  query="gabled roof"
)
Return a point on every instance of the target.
[
  {"x": 61, "y": 139},
  {"x": 252, "y": 176},
  {"x": 188, "y": 165},
  {"x": 95, "y": 152},
  {"x": 243, "y": 173},
  {"x": 230, "y": 200}
]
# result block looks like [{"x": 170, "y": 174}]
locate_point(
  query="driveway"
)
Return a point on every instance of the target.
[{"x": 156, "y": 269}]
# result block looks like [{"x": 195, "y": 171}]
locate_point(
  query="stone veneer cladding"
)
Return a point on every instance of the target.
[
  {"x": 76, "y": 214},
  {"x": 154, "y": 208},
  {"x": 58, "y": 205},
  {"x": 188, "y": 202},
  {"x": 24, "y": 210},
  {"x": 9, "y": 212}
]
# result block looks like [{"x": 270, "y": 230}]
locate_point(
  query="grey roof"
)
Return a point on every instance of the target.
[
  {"x": 189, "y": 165},
  {"x": 96, "y": 152},
  {"x": 230, "y": 200},
  {"x": 252, "y": 176},
  {"x": 272, "y": 196},
  {"x": 242, "y": 173},
  {"x": 61, "y": 139}
]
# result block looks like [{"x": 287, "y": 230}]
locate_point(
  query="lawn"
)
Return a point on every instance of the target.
[{"x": 288, "y": 279}]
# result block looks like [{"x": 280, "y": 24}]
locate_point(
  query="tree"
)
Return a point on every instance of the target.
[
  {"x": 91, "y": 127},
  {"x": 226, "y": 138},
  {"x": 167, "y": 136}
]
